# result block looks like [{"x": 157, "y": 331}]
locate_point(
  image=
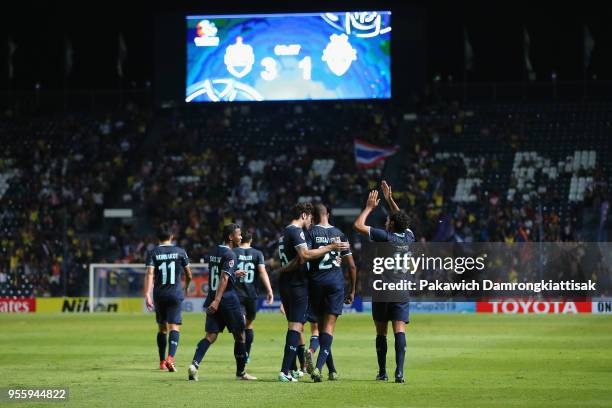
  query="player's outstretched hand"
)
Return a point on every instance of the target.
[
  {"x": 373, "y": 199},
  {"x": 149, "y": 303},
  {"x": 282, "y": 309},
  {"x": 348, "y": 299},
  {"x": 212, "y": 308},
  {"x": 387, "y": 193},
  {"x": 240, "y": 273},
  {"x": 270, "y": 298}
]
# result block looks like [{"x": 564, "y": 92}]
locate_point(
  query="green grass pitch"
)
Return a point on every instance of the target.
[{"x": 452, "y": 361}]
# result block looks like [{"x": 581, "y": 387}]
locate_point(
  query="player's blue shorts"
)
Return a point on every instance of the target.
[
  {"x": 249, "y": 307},
  {"x": 228, "y": 315},
  {"x": 310, "y": 315},
  {"x": 385, "y": 311},
  {"x": 326, "y": 297},
  {"x": 295, "y": 302},
  {"x": 168, "y": 310}
]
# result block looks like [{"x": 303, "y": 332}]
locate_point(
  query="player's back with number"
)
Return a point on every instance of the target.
[
  {"x": 248, "y": 260},
  {"x": 169, "y": 262},
  {"x": 222, "y": 260},
  {"x": 328, "y": 267}
]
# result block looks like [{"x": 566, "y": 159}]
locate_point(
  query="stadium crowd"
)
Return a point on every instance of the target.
[
  {"x": 58, "y": 172},
  {"x": 199, "y": 169}
]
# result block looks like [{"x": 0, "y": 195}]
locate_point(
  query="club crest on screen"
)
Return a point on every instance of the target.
[
  {"x": 239, "y": 58},
  {"x": 339, "y": 54}
]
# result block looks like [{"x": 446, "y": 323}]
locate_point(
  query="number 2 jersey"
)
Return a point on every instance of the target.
[
  {"x": 327, "y": 268},
  {"x": 221, "y": 260},
  {"x": 169, "y": 262},
  {"x": 249, "y": 260}
]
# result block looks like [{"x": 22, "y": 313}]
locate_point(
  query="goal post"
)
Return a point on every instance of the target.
[{"x": 110, "y": 281}]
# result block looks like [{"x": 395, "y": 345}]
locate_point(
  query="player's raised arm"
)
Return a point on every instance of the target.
[
  {"x": 388, "y": 194},
  {"x": 148, "y": 284},
  {"x": 360, "y": 223}
]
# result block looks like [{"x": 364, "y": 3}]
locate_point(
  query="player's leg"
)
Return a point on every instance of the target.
[
  {"x": 232, "y": 313},
  {"x": 313, "y": 344},
  {"x": 399, "y": 331},
  {"x": 381, "y": 322},
  {"x": 162, "y": 332},
  {"x": 250, "y": 312},
  {"x": 295, "y": 303},
  {"x": 399, "y": 316},
  {"x": 240, "y": 355},
  {"x": 214, "y": 325},
  {"x": 300, "y": 354},
  {"x": 162, "y": 339},
  {"x": 199, "y": 354},
  {"x": 292, "y": 340},
  {"x": 336, "y": 306},
  {"x": 249, "y": 335},
  {"x": 329, "y": 307},
  {"x": 174, "y": 324},
  {"x": 326, "y": 338},
  {"x": 173, "y": 340},
  {"x": 314, "y": 336},
  {"x": 299, "y": 358}
]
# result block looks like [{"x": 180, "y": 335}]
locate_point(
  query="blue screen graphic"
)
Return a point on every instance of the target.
[{"x": 343, "y": 55}]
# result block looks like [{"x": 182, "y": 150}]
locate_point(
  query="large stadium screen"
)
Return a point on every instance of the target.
[{"x": 342, "y": 55}]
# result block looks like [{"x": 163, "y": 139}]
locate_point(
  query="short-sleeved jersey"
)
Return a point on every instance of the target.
[
  {"x": 380, "y": 235},
  {"x": 249, "y": 260},
  {"x": 400, "y": 243},
  {"x": 168, "y": 262},
  {"x": 293, "y": 237},
  {"x": 221, "y": 260},
  {"x": 326, "y": 268}
]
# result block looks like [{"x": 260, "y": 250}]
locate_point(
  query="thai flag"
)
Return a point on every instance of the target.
[{"x": 368, "y": 155}]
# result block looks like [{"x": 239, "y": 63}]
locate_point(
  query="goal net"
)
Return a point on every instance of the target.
[{"x": 118, "y": 288}]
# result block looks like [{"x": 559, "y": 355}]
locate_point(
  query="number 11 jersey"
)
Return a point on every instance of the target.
[{"x": 169, "y": 262}]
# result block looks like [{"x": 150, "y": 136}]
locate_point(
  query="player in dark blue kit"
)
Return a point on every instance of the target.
[
  {"x": 166, "y": 265},
  {"x": 294, "y": 253},
  {"x": 251, "y": 260},
  {"x": 397, "y": 233},
  {"x": 222, "y": 304},
  {"x": 326, "y": 288}
]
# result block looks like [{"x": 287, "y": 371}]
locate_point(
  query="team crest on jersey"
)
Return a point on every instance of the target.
[
  {"x": 302, "y": 235},
  {"x": 231, "y": 263}
]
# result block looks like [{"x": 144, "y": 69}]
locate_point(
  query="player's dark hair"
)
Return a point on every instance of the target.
[
  {"x": 399, "y": 221},
  {"x": 319, "y": 209},
  {"x": 247, "y": 237},
  {"x": 164, "y": 231},
  {"x": 229, "y": 230},
  {"x": 299, "y": 209}
]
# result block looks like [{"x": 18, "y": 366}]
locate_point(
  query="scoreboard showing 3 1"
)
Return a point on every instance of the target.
[{"x": 259, "y": 57}]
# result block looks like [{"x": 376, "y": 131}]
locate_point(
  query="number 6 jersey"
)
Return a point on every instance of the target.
[{"x": 222, "y": 260}]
